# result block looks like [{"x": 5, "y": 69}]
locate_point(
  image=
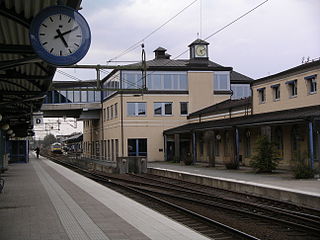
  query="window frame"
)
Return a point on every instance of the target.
[
  {"x": 292, "y": 88},
  {"x": 262, "y": 95},
  {"x": 234, "y": 87},
  {"x": 136, "y": 109},
  {"x": 218, "y": 85},
  {"x": 163, "y": 109},
  {"x": 276, "y": 93},
  {"x": 176, "y": 81},
  {"x": 184, "y": 114},
  {"x": 312, "y": 84},
  {"x": 115, "y": 110}
]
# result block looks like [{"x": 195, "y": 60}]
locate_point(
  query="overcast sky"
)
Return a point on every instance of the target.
[{"x": 270, "y": 39}]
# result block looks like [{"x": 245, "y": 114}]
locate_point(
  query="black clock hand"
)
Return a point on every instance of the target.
[
  {"x": 61, "y": 37},
  {"x": 66, "y": 32}
]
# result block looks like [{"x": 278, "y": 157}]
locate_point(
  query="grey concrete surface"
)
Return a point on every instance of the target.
[{"x": 279, "y": 185}]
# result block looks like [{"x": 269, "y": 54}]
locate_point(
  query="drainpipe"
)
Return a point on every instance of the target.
[
  {"x": 121, "y": 117},
  {"x": 311, "y": 150}
]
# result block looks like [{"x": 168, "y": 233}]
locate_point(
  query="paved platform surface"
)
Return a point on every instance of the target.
[
  {"x": 280, "y": 179},
  {"x": 43, "y": 200},
  {"x": 277, "y": 186}
]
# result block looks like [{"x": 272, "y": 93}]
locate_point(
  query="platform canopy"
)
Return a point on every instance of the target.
[{"x": 24, "y": 77}]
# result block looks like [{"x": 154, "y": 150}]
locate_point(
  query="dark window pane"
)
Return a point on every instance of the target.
[
  {"x": 132, "y": 149},
  {"x": 168, "y": 109},
  {"x": 183, "y": 108}
]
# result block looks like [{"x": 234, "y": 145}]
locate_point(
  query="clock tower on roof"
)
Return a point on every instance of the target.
[{"x": 199, "y": 49}]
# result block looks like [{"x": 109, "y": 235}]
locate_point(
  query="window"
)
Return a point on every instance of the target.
[
  {"x": 221, "y": 81},
  {"x": 108, "y": 150},
  {"x": 112, "y": 150},
  {"x": 111, "y": 112},
  {"x": 183, "y": 108},
  {"x": 104, "y": 114},
  {"x": 311, "y": 83},
  {"x": 262, "y": 95},
  {"x": 116, "y": 110},
  {"x": 293, "y": 88},
  {"x": 108, "y": 113},
  {"x": 276, "y": 92},
  {"x": 70, "y": 96},
  {"x": 84, "y": 96},
  {"x": 90, "y": 96},
  {"x": 116, "y": 142},
  {"x": 136, "y": 109},
  {"x": 163, "y": 109},
  {"x": 137, "y": 147},
  {"x": 76, "y": 96},
  {"x": 240, "y": 91},
  {"x": 132, "y": 79},
  {"x": 167, "y": 81},
  {"x": 97, "y": 96}
]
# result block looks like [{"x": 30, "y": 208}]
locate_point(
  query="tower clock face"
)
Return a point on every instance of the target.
[
  {"x": 201, "y": 51},
  {"x": 60, "y": 35}
]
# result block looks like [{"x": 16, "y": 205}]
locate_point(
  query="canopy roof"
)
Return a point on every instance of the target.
[{"x": 24, "y": 78}]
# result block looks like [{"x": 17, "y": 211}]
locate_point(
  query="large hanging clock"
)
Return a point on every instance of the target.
[{"x": 60, "y": 35}]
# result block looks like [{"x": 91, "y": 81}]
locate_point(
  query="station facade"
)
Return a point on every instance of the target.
[
  {"x": 199, "y": 109},
  {"x": 132, "y": 121},
  {"x": 284, "y": 106}
]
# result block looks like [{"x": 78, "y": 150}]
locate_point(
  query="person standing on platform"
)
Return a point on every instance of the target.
[{"x": 37, "y": 150}]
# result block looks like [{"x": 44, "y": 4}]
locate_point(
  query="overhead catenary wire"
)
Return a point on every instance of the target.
[
  {"x": 229, "y": 24},
  {"x": 216, "y": 32},
  {"x": 209, "y": 36},
  {"x": 137, "y": 44}
]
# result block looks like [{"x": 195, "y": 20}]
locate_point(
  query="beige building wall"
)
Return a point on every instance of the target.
[
  {"x": 148, "y": 127},
  {"x": 303, "y": 98},
  {"x": 200, "y": 95},
  {"x": 201, "y": 90}
]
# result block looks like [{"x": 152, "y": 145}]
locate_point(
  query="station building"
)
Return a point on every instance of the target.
[
  {"x": 132, "y": 121},
  {"x": 284, "y": 106},
  {"x": 199, "y": 109}
]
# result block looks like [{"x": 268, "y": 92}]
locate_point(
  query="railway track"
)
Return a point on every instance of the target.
[{"x": 212, "y": 213}]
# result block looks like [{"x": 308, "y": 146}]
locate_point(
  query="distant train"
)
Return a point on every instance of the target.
[{"x": 56, "y": 147}]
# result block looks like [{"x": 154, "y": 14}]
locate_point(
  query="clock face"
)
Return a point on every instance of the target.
[
  {"x": 60, "y": 35},
  {"x": 201, "y": 51}
]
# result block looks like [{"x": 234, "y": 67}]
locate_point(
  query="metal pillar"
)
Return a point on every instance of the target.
[
  {"x": 165, "y": 148},
  {"x": 237, "y": 147},
  {"x": 177, "y": 147},
  {"x": 311, "y": 150},
  {"x": 194, "y": 147}
]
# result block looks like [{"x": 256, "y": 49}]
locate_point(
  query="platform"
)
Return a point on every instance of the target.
[
  {"x": 43, "y": 200},
  {"x": 279, "y": 185}
]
